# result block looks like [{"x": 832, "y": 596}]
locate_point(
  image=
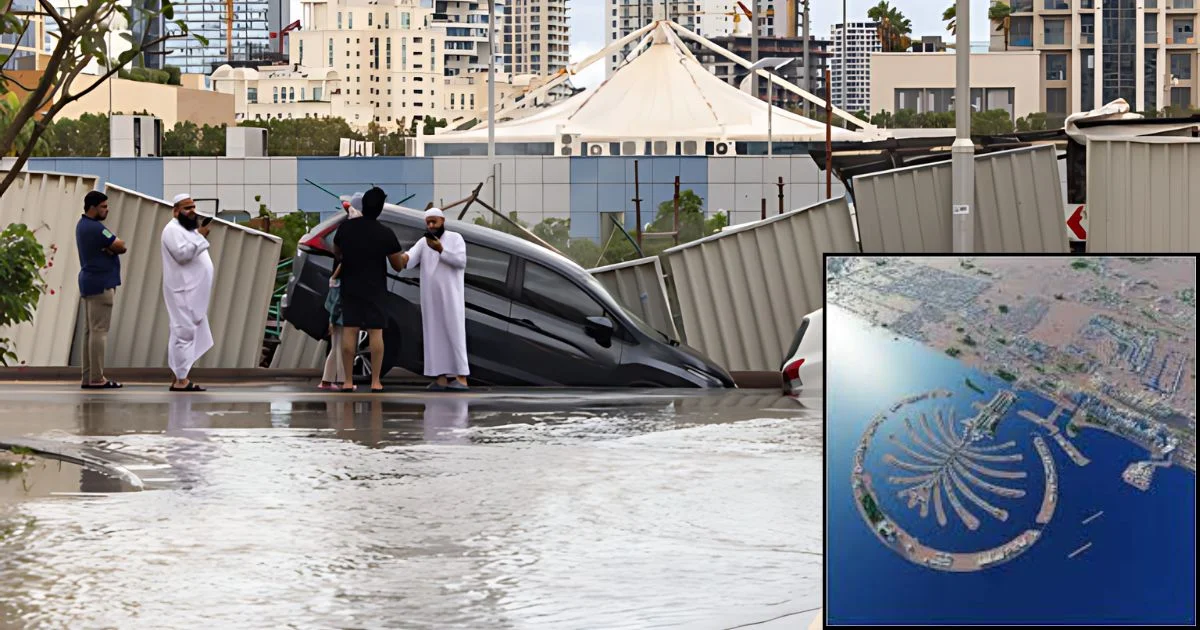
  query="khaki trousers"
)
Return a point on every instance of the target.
[{"x": 98, "y": 312}]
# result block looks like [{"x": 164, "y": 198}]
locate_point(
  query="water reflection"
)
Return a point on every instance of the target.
[{"x": 545, "y": 512}]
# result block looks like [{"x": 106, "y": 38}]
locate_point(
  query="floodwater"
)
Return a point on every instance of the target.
[{"x": 279, "y": 508}]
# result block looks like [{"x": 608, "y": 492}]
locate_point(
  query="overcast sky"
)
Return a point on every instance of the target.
[{"x": 587, "y": 24}]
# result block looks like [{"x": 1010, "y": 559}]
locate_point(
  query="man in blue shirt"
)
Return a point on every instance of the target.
[{"x": 99, "y": 277}]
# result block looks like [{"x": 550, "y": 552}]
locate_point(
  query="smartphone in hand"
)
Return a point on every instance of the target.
[{"x": 206, "y": 220}]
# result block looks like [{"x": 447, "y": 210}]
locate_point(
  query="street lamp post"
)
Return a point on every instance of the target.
[
  {"x": 963, "y": 151},
  {"x": 492, "y": 95},
  {"x": 773, "y": 64}
]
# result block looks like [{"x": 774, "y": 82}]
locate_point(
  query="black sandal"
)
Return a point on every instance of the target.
[{"x": 191, "y": 387}]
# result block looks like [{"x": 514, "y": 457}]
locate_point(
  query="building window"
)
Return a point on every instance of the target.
[
  {"x": 1181, "y": 66},
  {"x": 1150, "y": 79},
  {"x": 387, "y": 20},
  {"x": 1087, "y": 28},
  {"x": 330, "y": 52},
  {"x": 405, "y": 20},
  {"x": 339, "y": 20},
  {"x": 252, "y": 94},
  {"x": 316, "y": 94},
  {"x": 1056, "y": 67},
  {"x": 1181, "y": 97},
  {"x": 371, "y": 18},
  {"x": 404, "y": 53},
  {"x": 302, "y": 52},
  {"x": 292, "y": 95},
  {"x": 472, "y": 101},
  {"x": 275, "y": 94},
  {"x": 1119, "y": 61},
  {"x": 388, "y": 51},
  {"x": 1150, "y": 21},
  {"x": 1087, "y": 80},
  {"x": 1055, "y": 33},
  {"x": 1056, "y": 5},
  {"x": 1183, "y": 33},
  {"x": 302, "y": 94},
  {"x": 350, "y": 20},
  {"x": 1056, "y": 101}
]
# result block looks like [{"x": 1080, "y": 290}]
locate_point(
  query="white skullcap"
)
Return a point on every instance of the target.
[
  {"x": 434, "y": 212},
  {"x": 181, "y": 197},
  {"x": 356, "y": 201}
]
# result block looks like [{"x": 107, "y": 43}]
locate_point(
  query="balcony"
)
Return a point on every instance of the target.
[
  {"x": 1056, "y": 5},
  {"x": 1178, "y": 39},
  {"x": 1022, "y": 6},
  {"x": 1181, "y": 5}
]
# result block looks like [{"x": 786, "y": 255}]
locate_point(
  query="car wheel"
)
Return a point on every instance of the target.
[{"x": 362, "y": 357}]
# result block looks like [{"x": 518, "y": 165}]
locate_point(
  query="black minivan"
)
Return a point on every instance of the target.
[{"x": 534, "y": 317}]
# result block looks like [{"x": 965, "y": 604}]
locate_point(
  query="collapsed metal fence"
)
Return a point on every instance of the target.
[
  {"x": 639, "y": 286},
  {"x": 743, "y": 292},
  {"x": 1018, "y": 205},
  {"x": 1143, "y": 195}
]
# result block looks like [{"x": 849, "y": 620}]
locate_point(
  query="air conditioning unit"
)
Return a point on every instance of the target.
[
  {"x": 662, "y": 146},
  {"x": 692, "y": 147},
  {"x": 135, "y": 136},
  {"x": 724, "y": 148},
  {"x": 597, "y": 149},
  {"x": 567, "y": 144},
  {"x": 633, "y": 147}
]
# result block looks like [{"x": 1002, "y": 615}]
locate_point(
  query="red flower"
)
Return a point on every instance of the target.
[{"x": 51, "y": 291}]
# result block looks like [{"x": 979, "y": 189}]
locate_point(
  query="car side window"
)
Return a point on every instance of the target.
[
  {"x": 408, "y": 236},
  {"x": 487, "y": 269},
  {"x": 550, "y": 292}
]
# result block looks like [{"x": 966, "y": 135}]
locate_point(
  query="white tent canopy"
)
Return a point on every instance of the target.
[{"x": 663, "y": 93}]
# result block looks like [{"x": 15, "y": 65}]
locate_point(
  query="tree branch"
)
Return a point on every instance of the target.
[
  {"x": 8, "y": 79},
  {"x": 53, "y": 12}
]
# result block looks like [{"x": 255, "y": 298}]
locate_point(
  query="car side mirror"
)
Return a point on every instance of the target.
[{"x": 600, "y": 329}]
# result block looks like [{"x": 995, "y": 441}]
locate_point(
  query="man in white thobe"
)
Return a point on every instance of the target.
[
  {"x": 187, "y": 286},
  {"x": 442, "y": 257}
]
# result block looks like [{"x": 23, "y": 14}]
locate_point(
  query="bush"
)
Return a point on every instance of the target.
[
  {"x": 22, "y": 259},
  {"x": 174, "y": 75}
]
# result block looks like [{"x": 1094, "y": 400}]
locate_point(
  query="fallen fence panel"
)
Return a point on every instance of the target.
[
  {"x": 298, "y": 351},
  {"x": 743, "y": 292},
  {"x": 639, "y": 286},
  {"x": 244, "y": 262},
  {"x": 1018, "y": 205},
  {"x": 50, "y": 204},
  {"x": 1143, "y": 195}
]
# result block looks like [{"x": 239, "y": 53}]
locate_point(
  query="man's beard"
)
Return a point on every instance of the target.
[
  {"x": 189, "y": 223},
  {"x": 439, "y": 232}
]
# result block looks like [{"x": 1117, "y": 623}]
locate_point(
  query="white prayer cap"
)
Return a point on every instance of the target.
[
  {"x": 180, "y": 197},
  {"x": 356, "y": 201},
  {"x": 434, "y": 212}
]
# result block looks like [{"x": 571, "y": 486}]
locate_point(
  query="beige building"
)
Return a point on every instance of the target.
[
  {"x": 1095, "y": 51},
  {"x": 171, "y": 103},
  {"x": 924, "y": 82},
  {"x": 285, "y": 92},
  {"x": 536, "y": 36}
]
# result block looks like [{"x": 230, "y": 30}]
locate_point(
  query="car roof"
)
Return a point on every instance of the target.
[{"x": 489, "y": 237}]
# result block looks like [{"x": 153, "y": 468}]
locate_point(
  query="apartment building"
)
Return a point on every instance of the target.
[
  {"x": 252, "y": 20},
  {"x": 536, "y": 36},
  {"x": 467, "y": 47},
  {"x": 710, "y": 18},
  {"x": 732, "y": 73},
  {"x": 1095, "y": 51},
  {"x": 853, "y": 44}
]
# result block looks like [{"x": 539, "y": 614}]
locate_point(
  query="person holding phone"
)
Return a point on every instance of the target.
[
  {"x": 442, "y": 257},
  {"x": 187, "y": 288}
]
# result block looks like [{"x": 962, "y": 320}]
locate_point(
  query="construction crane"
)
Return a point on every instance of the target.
[
  {"x": 294, "y": 26},
  {"x": 229, "y": 30}
]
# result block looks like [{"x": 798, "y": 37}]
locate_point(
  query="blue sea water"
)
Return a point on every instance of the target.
[{"x": 1141, "y": 567}]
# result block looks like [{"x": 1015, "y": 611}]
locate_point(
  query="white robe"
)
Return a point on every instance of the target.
[
  {"x": 443, "y": 304},
  {"x": 187, "y": 286}
]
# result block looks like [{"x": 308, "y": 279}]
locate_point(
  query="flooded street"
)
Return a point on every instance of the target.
[{"x": 274, "y": 507}]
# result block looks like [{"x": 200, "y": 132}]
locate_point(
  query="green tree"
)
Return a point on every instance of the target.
[
  {"x": 429, "y": 125},
  {"x": 894, "y": 29},
  {"x": 990, "y": 123},
  {"x": 1033, "y": 122},
  {"x": 182, "y": 140},
  {"x": 80, "y": 40},
  {"x": 22, "y": 260},
  {"x": 305, "y": 136},
  {"x": 386, "y": 142},
  {"x": 1000, "y": 13}
]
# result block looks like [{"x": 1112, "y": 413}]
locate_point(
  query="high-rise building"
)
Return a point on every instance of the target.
[
  {"x": 536, "y": 37},
  {"x": 852, "y": 47},
  {"x": 251, "y": 33},
  {"x": 710, "y": 18},
  {"x": 146, "y": 25},
  {"x": 20, "y": 50},
  {"x": 467, "y": 46},
  {"x": 1095, "y": 51},
  {"x": 732, "y": 73}
]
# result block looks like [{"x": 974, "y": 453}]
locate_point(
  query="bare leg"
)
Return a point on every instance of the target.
[
  {"x": 349, "y": 345},
  {"x": 375, "y": 337}
]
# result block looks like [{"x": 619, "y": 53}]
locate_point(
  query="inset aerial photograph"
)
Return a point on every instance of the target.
[{"x": 1011, "y": 440}]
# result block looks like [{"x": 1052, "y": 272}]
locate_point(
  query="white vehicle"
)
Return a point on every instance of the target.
[{"x": 804, "y": 365}]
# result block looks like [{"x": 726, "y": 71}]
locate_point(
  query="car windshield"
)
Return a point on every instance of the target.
[{"x": 637, "y": 321}]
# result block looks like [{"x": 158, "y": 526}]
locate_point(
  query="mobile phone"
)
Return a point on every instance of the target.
[
  {"x": 206, "y": 220},
  {"x": 430, "y": 235}
]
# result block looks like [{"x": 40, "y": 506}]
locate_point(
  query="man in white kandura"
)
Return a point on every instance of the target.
[
  {"x": 442, "y": 257},
  {"x": 187, "y": 286}
]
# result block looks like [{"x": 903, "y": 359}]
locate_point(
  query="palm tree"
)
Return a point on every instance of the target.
[
  {"x": 1001, "y": 14},
  {"x": 893, "y": 28},
  {"x": 948, "y": 16}
]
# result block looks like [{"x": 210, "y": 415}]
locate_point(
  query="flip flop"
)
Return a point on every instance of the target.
[
  {"x": 347, "y": 391},
  {"x": 190, "y": 387},
  {"x": 434, "y": 387},
  {"x": 376, "y": 391},
  {"x": 106, "y": 385},
  {"x": 457, "y": 387}
]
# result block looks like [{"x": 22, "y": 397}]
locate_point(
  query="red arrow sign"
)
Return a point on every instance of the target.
[{"x": 1075, "y": 222}]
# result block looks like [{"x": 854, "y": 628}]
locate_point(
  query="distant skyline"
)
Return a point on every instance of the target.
[{"x": 587, "y": 24}]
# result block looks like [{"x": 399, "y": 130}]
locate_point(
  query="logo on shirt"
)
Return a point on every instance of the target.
[{"x": 107, "y": 234}]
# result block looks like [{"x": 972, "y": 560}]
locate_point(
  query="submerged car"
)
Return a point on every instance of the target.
[
  {"x": 803, "y": 366},
  {"x": 534, "y": 317}
]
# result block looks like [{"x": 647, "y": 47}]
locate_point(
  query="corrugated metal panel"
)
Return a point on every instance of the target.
[
  {"x": 50, "y": 204},
  {"x": 244, "y": 262},
  {"x": 1143, "y": 195},
  {"x": 1018, "y": 205},
  {"x": 298, "y": 351},
  {"x": 639, "y": 286},
  {"x": 743, "y": 292}
]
